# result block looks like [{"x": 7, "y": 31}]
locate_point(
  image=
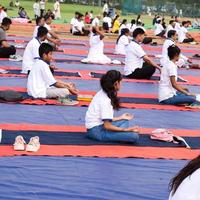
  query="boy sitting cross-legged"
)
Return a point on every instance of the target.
[{"x": 41, "y": 82}]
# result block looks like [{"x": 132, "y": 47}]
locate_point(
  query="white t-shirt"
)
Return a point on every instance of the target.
[
  {"x": 122, "y": 27},
  {"x": 31, "y": 52},
  {"x": 35, "y": 31},
  {"x": 189, "y": 188},
  {"x": 121, "y": 45},
  {"x": 158, "y": 29},
  {"x": 3, "y": 14},
  {"x": 182, "y": 34},
  {"x": 95, "y": 22},
  {"x": 131, "y": 27},
  {"x": 72, "y": 21},
  {"x": 40, "y": 79},
  {"x": 108, "y": 20},
  {"x": 166, "y": 89},
  {"x": 48, "y": 27},
  {"x": 79, "y": 24},
  {"x": 42, "y": 5},
  {"x": 36, "y": 8},
  {"x": 177, "y": 26},
  {"x": 100, "y": 109},
  {"x": 169, "y": 28},
  {"x": 105, "y": 8},
  {"x": 134, "y": 57}
]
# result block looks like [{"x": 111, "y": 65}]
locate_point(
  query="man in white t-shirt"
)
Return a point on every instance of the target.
[
  {"x": 137, "y": 64},
  {"x": 79, "y": 27},
  {"x": 96, "y": 21},
  {"x": 73, "y": 20},
  {"x": 41, "y": 82},
  {"x": 105, "y": 7},
  {"x": 39, "y": 22},
  {"x": 107, "y": 22},
  {"x": 170, "y": 27},
  {"x": 183, "y": 35},
  {"x": 3, "y": 14},
  {"x": 52, "y": 37},
  {"x": 36, "y": 8},
  {"x": 32, "y": 50},
  {"x": 159, "y": 30},
  {"x": 42, "y": 8}
]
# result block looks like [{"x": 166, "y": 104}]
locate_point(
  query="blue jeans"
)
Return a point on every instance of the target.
[
  {"x": 101, "y": 134},
  {"x": 180, "y": 98}
]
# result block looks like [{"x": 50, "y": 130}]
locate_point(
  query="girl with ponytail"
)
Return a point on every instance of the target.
[
  {"x": 122, "y": 42},
  {"x": 100, "y": 121}
]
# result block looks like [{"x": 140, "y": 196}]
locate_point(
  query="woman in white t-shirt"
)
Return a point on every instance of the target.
[
  {"x": 122, "y": 25},
  {"x": 185, "y": 185},
  {"x": 96, "y": 54},
  {"x": 132, "y": 26},
  {"x": 100, "y": 121},
  {"x": 122, "y": 42},
  {"x": 170, "y": 92},
  {"x": 107, "y": 22}
]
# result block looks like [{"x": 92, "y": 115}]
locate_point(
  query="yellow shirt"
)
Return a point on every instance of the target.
[{"x": 116, "y": 26}]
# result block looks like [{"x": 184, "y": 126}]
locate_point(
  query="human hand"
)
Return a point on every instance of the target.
[
  {"x": 135, "y": 129},
  {"x": 127, "y": 116}
]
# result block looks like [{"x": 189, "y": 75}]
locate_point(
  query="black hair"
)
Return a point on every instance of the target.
[
  {"x": 138, "y": 31},
  {"x": 38, "y": 19},
  {"x": 158, "y": 21},
  {"x": 123, "y": 32},
  {"x": 184, "y": 22},
  {"x": 123, "y": 22},
  {"x": 105, "y": 14},
  {"x": 42, "y": 31},
  {"x": 133, "y": 21},
  {"x": 47, "y": 16},
  {"x": 171, "y": 33},
  {"x": 171, "y": 21},
  {"x": 188, "y": 170},
  {"x": 173, "y": 51},
  {"x": 107, "y": 84},
  {"x": 80, "y": 15},
  {"x": 6, "y": 21},
  {"x": 45, "y": 48}
]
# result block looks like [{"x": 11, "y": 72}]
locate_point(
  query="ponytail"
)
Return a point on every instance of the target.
[
  {"x": 124, "y": 31},
  {"x": 107, "y": 84}
]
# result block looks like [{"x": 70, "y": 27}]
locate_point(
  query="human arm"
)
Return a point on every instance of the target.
[
  {"x": 70, "y": 86},
  {"x": 5, "y": 44},
  {"x": 179, "y": 88},
  {"x": 151, "y": 62}
]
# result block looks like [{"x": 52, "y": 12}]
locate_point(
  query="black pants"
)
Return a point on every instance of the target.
[
  {"x": 105, "y": 26},
  {"x": 188, "y": 40},
  {"x": 145, "y": 72},
  {"x": 161, "y": 34},
  {"x": 85, "y": 33},
  {"x": 147, "y": 40},
  {"x": 42, "y": 13},
  {"x": 6, "y": 52}
]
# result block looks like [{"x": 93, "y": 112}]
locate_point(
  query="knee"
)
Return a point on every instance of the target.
[{"x": 135, "y": 137}]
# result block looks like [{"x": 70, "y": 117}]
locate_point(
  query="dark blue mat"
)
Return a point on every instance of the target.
[{"x": 76, "y": 138}]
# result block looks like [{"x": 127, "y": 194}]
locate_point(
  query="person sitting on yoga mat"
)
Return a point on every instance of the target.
[
  {"x": 183, "y": 61},
  {"x": 96, "y": 54},
  {"x": 183, "y": 35},
  {"x": 79, "y": 27},
  {"x": 100, "y": 121},
  {"x": 41, "y": 82},
  {"x": 32, "y": 50},
  {"x": 137, "y": 64},
  {"x": 170, "y": 92},
  {"x": 122, "y": 42},
  {"x": 39, "y": 22},
  {"x": 52, "y": 37},
  {"x": 185, "y": 185},
  {"x": 6, "y": 50},
  {"x": 159, "y": 29}
]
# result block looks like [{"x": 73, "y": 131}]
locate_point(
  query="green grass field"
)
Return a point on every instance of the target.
[{"x": 67, "y": 11}]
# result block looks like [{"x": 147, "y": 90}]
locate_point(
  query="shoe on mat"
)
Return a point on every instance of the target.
[
  {"x": 33, "y": 145},
  {"x": 19, "y": 144},
  {"x": 67, "y": 101},
  {"x": 16, "y": 58}
]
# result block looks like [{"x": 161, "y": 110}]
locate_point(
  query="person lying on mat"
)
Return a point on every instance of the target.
[
  {"x": 122, "y": 42},
  {"x": 183, "y": 61},
  {"x": 183, "y": 35},
  {"x": 96, "y": 54},
  {"x": 137, "y": 64},
  {"x": 52, "y": 37},
  {"x": 100, "y": 121},
  {"x": 6, "y": 50},
  {"x": 170, "y": 92},
  {"x": 185, "y": 185},
  {"x": 41, "y": 82},
  {"x": 32, "y": 50},
  {"x": 39, "y": 22}
]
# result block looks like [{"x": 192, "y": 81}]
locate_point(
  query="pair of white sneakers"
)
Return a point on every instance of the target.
[{"x": 32, "y": 146}]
